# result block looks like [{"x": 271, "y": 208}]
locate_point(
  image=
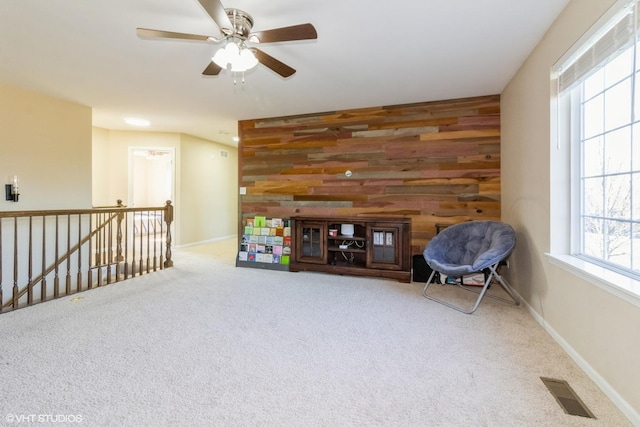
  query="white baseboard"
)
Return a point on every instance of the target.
[
  {"x": 216, "y": 239},
  {"x": 606, "y": 388}
]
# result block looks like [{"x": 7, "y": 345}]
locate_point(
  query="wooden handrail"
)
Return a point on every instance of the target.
[
  {"x": 111, "y": 229},
  {"x": 62, "y": 212}
]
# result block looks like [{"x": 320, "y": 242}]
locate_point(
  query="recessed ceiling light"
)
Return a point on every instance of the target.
[
  {"x": 136, "y": 122},
  {"x": 236, "y": 139}
]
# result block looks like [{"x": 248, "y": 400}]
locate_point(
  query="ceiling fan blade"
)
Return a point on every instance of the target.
[
  {"x": 146, "y": 32},
  {"x": 212, "y": 69},
  {"x": 294, "y": 32},
  {"x": 215, "y": 9},
  {"x": 270, "y": 62}
]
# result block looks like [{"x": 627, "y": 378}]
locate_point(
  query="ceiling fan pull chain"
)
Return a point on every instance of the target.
[{"x": 235, "y": 77}]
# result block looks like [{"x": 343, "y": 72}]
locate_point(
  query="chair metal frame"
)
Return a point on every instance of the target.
[{"x": 493, "y": 272}]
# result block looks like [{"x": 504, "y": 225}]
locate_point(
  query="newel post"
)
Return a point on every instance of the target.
[{"x": 168, "y": 218}]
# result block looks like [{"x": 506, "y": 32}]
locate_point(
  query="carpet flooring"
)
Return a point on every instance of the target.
[{"x": 206, "y": 343}]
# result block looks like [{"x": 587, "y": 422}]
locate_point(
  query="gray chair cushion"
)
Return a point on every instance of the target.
[{"x": 470, "y": 247}]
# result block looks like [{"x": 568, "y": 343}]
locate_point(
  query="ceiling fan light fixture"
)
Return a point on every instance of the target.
[
  {"x": 224, "y": 56},
  {"x": 220, "y": 58},
  {"x": 239, "y": 58},
  {"x": 246, "y": 61}
]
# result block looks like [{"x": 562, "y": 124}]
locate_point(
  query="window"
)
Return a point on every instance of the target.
[
  {"x": 599, "y": 116},
  {"x": 608, "y": 130}
]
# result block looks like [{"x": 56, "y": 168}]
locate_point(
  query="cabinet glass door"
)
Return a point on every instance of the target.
[
  {"x": 384, "y": 251},
  {"x": 311, "y": 242}
]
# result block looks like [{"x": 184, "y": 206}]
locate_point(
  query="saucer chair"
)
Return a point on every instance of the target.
[{"x": 470, "y": 248}]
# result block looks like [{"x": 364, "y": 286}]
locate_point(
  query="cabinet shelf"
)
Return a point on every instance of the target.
[
  {"x": 354, "y": 250},
  {"x": 352, "y": 238},
  {"x": 380, "y": 246}
]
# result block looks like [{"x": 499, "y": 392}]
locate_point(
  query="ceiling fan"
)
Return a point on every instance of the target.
[{"x": 235, "y": 26}]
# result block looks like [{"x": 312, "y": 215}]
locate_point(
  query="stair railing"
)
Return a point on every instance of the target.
[{"x": 49, "y": 254}]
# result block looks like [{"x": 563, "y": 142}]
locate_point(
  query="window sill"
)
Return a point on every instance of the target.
[{"x": 614, "y": 283}]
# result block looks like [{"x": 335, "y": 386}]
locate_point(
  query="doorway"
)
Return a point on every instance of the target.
[{"x": 151, "y": 176}]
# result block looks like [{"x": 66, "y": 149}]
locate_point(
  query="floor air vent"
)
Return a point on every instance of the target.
[{"x": 566, "y": 397}]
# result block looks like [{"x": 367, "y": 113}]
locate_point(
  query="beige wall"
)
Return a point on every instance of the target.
[
  {"x": 100, "y": 168},
  {"x": 46, "y": 142},
  {"x": 205, "y": 186},
  {"x": 597, "y": 328},
  {"x": 209, "y": 190}
]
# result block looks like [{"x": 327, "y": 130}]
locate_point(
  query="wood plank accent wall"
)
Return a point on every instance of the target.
[{"x": 436, "y": 162}]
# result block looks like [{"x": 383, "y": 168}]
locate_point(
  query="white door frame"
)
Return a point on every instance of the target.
[{"x": 172, "y": 154}]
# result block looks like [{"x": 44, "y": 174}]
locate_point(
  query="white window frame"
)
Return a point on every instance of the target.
[{"x": 565, "y": 170}]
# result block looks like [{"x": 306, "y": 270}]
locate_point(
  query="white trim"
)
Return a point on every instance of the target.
[
  {"x": 606, "y": 388},
  {"x": 614, "y": 283},
  {"x": 202, "y": 242}
]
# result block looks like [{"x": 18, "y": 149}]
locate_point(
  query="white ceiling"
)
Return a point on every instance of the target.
[{"x": 368, "y": 53}]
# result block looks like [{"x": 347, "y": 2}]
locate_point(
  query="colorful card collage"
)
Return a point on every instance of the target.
[{"x": 266, "y": 240}]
